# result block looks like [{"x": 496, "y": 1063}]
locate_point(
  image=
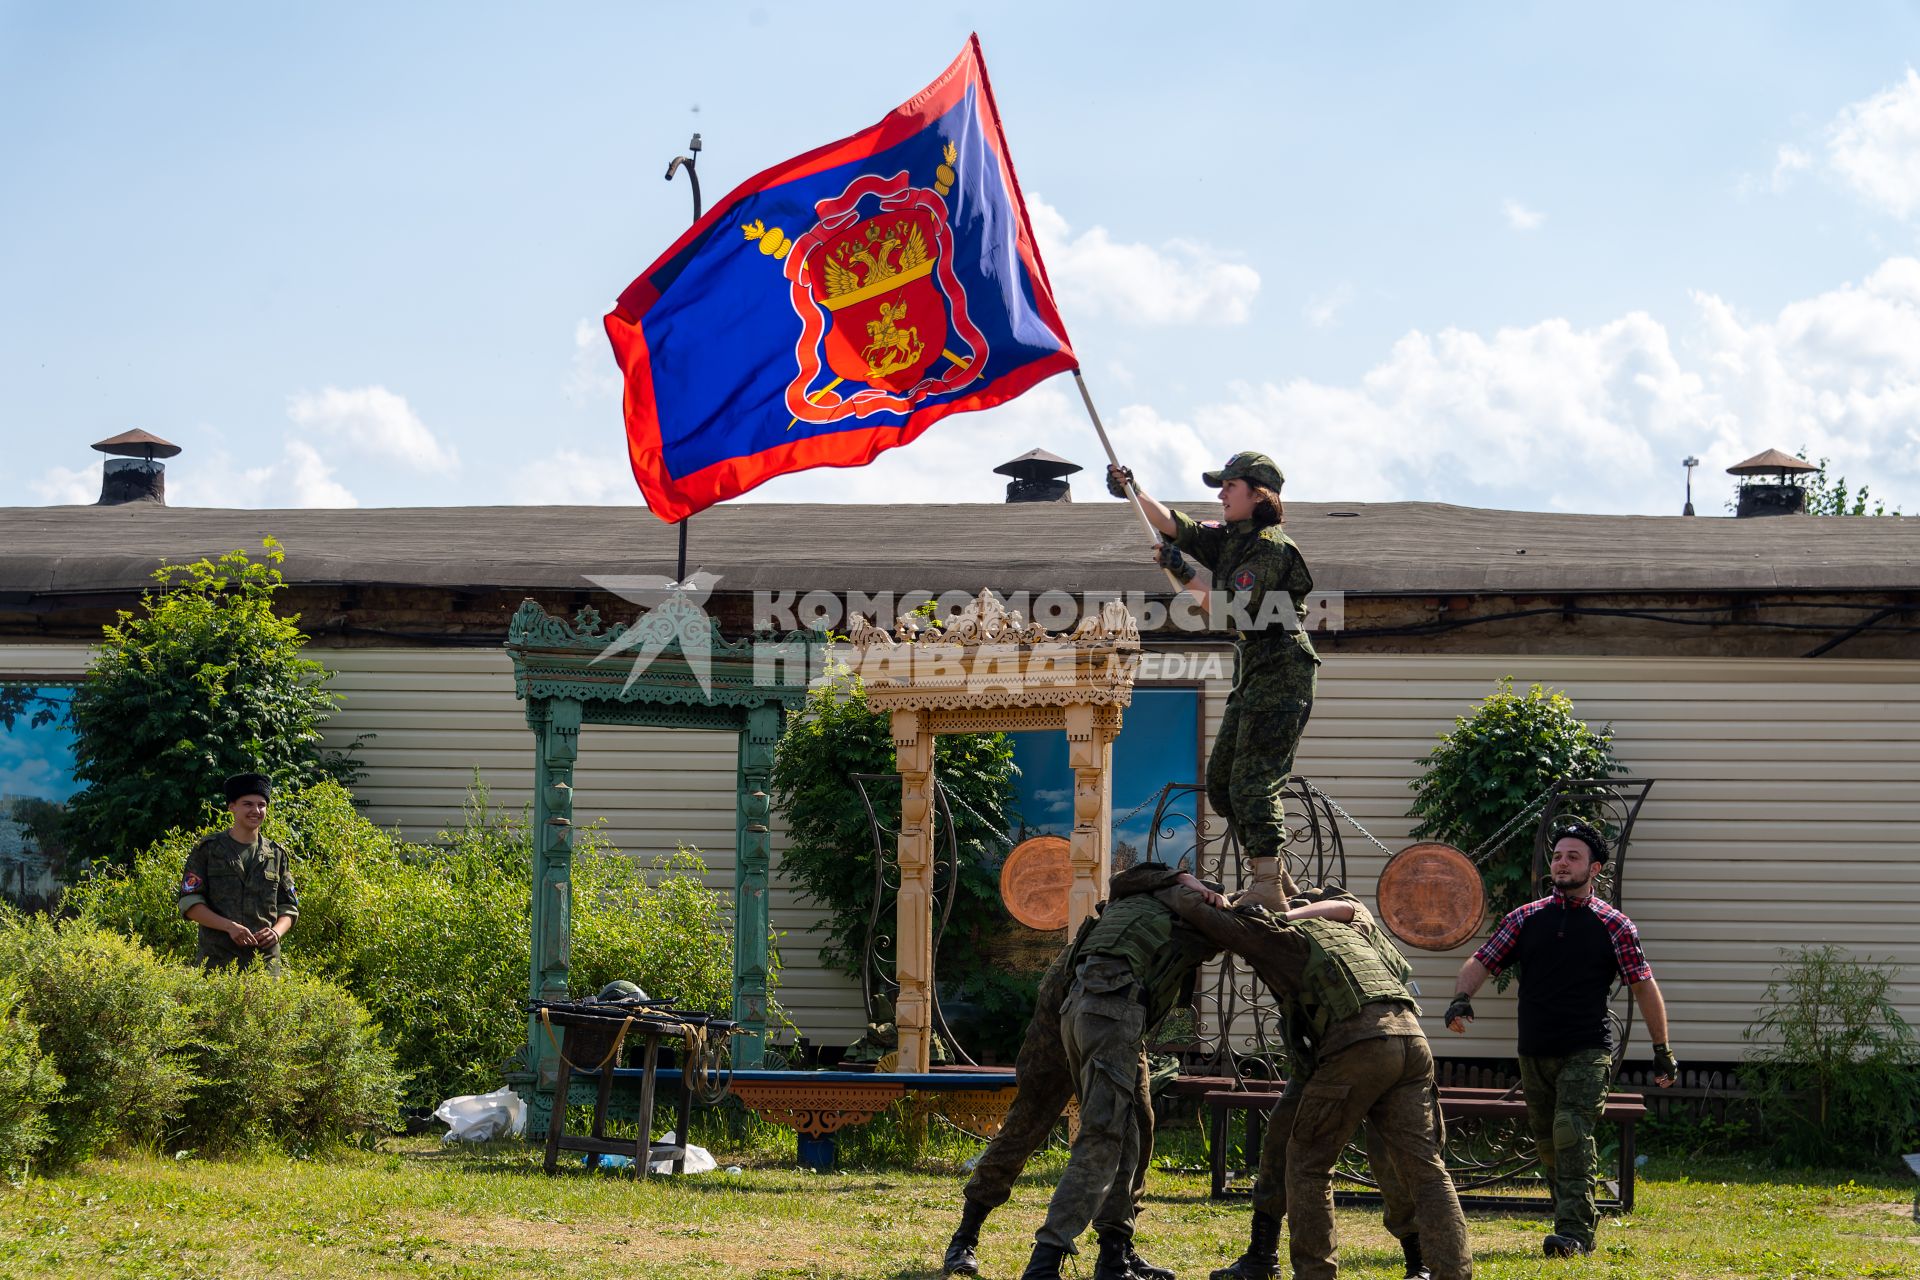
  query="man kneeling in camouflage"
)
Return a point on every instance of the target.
[{"x": 1342, "y": 989}]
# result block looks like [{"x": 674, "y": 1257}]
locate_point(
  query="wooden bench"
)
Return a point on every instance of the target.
[{"x": 1623, "y": 1109}]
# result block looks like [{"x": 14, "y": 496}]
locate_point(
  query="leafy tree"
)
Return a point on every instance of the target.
[
  {"x": 1829, "y": 495},
  {"x": 829, "y": 853},
  {"x": 206, "y": 680},
  {"x": 1491, "y": 766},
  {"x": 1834, "y": 1067}
]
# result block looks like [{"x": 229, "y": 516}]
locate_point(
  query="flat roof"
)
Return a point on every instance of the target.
[{"x": 1357, "y": 547}]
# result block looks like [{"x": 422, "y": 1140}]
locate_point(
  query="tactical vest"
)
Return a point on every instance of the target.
[
  {"x": 1140, "y": 931},
  {"x": 1344, "y": 971}
]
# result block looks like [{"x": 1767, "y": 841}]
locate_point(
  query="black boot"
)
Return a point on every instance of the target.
[
  {"x": 1144, "y": 1270},
  {"x": 1261, "y": 1261},
  {"x": 1416, "y": 1265},
  {"x": 1044, "y": 1264},
  {"x": 960, "y": 1260},
  {"x": 1112, "y": 1262}
]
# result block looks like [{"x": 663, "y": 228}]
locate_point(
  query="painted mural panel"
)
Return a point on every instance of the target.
[{"x": 36, "y": 781}]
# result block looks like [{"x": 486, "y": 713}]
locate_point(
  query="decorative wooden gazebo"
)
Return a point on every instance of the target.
[
  {"x": 678, "y": 672},
  {"x": 989, "y": 670}
]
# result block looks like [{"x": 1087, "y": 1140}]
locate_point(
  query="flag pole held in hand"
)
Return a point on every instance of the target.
[{"x": 1153, "y": 534}]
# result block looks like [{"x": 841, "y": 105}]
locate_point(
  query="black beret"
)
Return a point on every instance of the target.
[{"x": 249, "y": 784}]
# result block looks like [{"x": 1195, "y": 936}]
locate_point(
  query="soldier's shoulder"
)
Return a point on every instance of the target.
[{"x": 212, "y": 843}]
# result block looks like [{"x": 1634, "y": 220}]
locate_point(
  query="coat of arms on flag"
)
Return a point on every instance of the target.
[{"x": 838, "y": 305}]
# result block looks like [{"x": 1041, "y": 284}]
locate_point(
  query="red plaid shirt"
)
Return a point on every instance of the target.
[{"x": 1632, "y": 962}]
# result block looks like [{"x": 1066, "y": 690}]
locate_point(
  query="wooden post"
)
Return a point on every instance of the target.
[
  {"x": 752, "y": 849},
  {"x": 913, "y": 1011},
  {"x": 556, "y": 747},
  {"x": 1087, "y": 752}
]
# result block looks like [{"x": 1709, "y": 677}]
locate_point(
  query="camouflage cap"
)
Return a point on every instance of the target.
[{"x": 1254, "y": 468}]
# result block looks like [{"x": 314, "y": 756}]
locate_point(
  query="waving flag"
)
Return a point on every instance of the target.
[{"x": 838, "y": 305}]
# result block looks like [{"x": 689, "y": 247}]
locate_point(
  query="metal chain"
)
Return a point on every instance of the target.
[
  {"x": 1351, "y": 820},
  {"x": 1499, "y": 838},
  {"x": 1487, "y": 846}
]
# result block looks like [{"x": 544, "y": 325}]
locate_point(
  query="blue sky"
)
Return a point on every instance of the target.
[{"x": 1514, "y": 255}]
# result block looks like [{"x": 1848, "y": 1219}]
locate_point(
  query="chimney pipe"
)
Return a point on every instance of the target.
[
  {"x": 135, "y": 473},
  {"x": 1038, "y": 476}
]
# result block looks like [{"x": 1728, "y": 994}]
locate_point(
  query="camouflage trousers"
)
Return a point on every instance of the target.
[
  {"x": 1564, "y": 1099},
  {"x": 1388, "y": 1081},
  {"x": 1253, "y": 756},
  {"x": 1046, "y": 1086},
  {"x": 1102, "y": 1033},
  {"x": 1270, "y": 1184}
]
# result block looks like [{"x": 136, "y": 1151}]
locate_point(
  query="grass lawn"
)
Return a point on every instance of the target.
[{"x": 417, "y": 1210}]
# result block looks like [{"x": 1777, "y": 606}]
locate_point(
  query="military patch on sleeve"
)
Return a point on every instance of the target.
[
  {"x": 1212, "y": 524},
  {"x": 192, "y": 884},
  {"x": 1243, "y": 580}
]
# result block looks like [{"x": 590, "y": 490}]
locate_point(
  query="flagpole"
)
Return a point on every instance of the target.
[
  {"x": 693, "y": 176},
  {"x": 1139, "y": 509}
]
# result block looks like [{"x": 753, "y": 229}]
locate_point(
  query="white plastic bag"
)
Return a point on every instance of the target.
[
  {"x": 480, "y": 1117},
  {"x": 699, "y": 1159}
]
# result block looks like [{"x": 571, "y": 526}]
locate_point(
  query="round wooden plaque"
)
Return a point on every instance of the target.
[
  {"x": 1431, "y": 897},
  {"x": 1034, "y": 881}
]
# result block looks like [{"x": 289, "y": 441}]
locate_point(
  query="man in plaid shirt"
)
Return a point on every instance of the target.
[{"x": 1570, "y": 948}]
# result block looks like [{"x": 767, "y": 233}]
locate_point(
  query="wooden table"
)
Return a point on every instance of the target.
[{"x": 600, "y": 1040}]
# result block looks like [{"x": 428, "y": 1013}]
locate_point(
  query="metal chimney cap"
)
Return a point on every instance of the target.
[
  {"x": 1038, "y": 464},
  {"x": 1772, "y": 462},
  {"x": 138, "y": 444}
]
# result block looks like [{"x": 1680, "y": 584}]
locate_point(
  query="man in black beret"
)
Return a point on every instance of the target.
[{"x": 238, "y": 885}]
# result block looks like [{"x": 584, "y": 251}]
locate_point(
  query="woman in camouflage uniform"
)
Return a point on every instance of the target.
[{"x": 1261, "y": 581}]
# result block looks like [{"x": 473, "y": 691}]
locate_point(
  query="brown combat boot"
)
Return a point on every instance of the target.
[{"x": 1261, "y": 1261}]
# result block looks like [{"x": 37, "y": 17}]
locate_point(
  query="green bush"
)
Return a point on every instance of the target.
[
  {"x": 666, "y": 925},
  {"x": 206, "y": 680},
  {"x": 292, "y": 1060},
  {"x": 1834, "y": 1068},
  {"x": 434, "y": 940},
  {"x": 1507, "y": 754},
  {"x": 29, "y": 1084},
  {"x": 113, "y": 1018}
]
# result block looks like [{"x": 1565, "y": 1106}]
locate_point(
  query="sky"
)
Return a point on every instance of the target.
[{"x": 1520, "y": 256}]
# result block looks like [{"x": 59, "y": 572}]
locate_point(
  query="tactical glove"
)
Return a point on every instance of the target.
[
  {"x": 1664, "y": 1063},
  {"x": 1114, "y": 485},
  {"x": 1176, "y": 563},
  {"x": 1461, "y": 1008}
]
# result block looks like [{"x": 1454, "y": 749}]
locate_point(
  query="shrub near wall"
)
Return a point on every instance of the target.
[
  {"x": 434, "y": 940},
  {"x": 28, "y": 1086},
  {"x": 118, "y": 1048},
  {"x": 114, "y": 1020}
]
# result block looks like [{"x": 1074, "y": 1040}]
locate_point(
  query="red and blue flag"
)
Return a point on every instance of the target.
[{"x": 839, "y": 304}]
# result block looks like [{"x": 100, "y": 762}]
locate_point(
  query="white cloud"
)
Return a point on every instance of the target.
[
  {"x": 1555, "y": 417},
  {"x": 569, "y": 478},
  {"x": 1324, "y": 311},
  {"x": 592, "y": 375},
  {"x": 300, "y": 476},
  {"x": 68, "y": 486},
  {"x": 1179, "y": 282},
  {"x": 375, "y": 422},
  {"x": 1874, "y": 147},
  {"x": 1788, "y": 161},
  {"x": 1521, "y": 218}
]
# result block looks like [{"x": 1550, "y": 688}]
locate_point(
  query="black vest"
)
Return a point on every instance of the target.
[{"x": 1567, "y": 968}]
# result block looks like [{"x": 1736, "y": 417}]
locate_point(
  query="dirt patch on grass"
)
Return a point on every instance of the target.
[{"x": 654, "y": 1242}]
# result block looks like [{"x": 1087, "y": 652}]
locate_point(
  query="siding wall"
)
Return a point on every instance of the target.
[{"x": 1785, "y": 809}]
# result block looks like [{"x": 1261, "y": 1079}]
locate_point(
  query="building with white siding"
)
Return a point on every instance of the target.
[{"x": 1764, "y": 672}]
